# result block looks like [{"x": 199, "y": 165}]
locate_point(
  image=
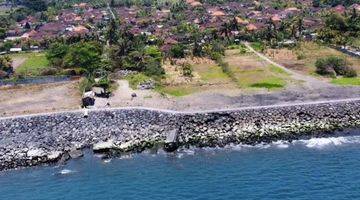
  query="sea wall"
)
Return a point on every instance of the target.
[{"x": 32, "y": 140}]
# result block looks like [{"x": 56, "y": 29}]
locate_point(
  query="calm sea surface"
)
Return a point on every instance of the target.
[{"x": 306, "y": 169}]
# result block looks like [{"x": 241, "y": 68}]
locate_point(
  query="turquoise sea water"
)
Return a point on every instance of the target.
[{"x": 325, "y": 168}]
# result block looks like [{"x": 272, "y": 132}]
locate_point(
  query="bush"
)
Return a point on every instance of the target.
[
  {"x": 187, "y": 70},
  {"x": 136, "y": 79},
  {"x": 49, "y": 72},
  {"x": 323, "y": 69},
  {"x": 3, "y": 74},
  {"x": 258, "y": 46},
  {"x": 350, "y": 72},
  {"x": 85, "y": 84},
  {"x": 153, "y": 68},
  {"x": 104, "y": 83},
  {"x": 334, "y": 66},
  {"x": 177, "y": 51},
  {"x": 74, "y": 71}
]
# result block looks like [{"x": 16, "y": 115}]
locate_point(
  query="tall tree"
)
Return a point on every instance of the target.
[{"x": 112, "y": 33}]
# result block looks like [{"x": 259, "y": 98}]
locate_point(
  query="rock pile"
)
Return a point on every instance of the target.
[
  {"x": 146, "y": 85},
  {"x": 33, "y": 140}
]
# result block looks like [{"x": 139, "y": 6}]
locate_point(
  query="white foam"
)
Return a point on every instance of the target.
[
  {"x": 320, "y": 143},
  {"x": 179, "y": 155},
  {"x": 189, "y": 151},
  {"x": 107, "y": 160},
  {"x": 281, "y": 144},
  {"x": 126, "y": 157},
  {"x": 66, "y": 171}
]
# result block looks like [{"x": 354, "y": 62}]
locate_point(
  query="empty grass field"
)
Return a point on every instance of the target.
[
  {"x": 252, "y": 72},
  {"x": 249, "y": 73},
  {"x": 32, "y": 64}
]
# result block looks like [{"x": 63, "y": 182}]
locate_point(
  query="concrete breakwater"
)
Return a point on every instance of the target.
[{"x": 51, "y": 138}]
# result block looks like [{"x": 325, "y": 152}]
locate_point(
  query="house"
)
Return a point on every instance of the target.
[
  {"x": 29, "y": 34},
  {"x": 276, "y": 19},
  {"x": 195, "y": 4},
  {"x": 80, "y": 30},
  {"x": 241, "y": 21},
  {"x": 340, "y": 9},
  {"x": 356, "y": 7},
  {"x": 251, "y": 27},
  {"x": 216, "y": 13}
]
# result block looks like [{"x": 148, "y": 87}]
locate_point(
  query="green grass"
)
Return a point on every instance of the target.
[
  {"x": 270, "y": 83},
  {"x": 347, "y": 81},
  {"x": 33, "y": 65},
  {"x": 257, "y": 46},
  {"x": 277, "y": 70},
  {"x": 176, "y": 91},
  {"x": 136, "y": 79},
  {"x": 213, "y": 72}
]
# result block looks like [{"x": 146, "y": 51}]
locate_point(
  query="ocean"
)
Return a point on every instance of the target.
[{"x": 322, "y": 168}]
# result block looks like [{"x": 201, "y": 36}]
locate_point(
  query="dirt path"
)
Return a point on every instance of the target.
[
  {"x": 17, "y": 62},
  {"x": 122, "y": 97},
  {"x": 308, "y": 81}
]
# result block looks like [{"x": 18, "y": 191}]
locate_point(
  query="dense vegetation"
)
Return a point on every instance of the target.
[
  {"x": 5, "y": 66},
  {"x": 334, "y": 66},
  {"x": 112, "y": 46}
]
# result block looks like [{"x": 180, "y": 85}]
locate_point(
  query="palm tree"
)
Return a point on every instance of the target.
[{"x": 225, "y": 29}]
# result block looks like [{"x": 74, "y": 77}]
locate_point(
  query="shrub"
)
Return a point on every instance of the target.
[
  {"x": 177, "y": 51},
  {"x": 258, "y": 46},
  {"x": 74, "y": 71},
  {"x": 334, "y": 66},
  {"x": 153, "y": 68},
  {"x": 136, "y": 79},
  {"x": 350, "y": 72},
  {"x": 49, "y": 71},
  {"x": 3, "y": 74},
  {"x": 323, "y": 69},
  {"x": 187, "y": 70},
  {"x": 104, "y": 83},
  {"x": 85, "y": 84}
]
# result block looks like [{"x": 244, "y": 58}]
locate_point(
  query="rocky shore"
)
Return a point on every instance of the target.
[{"x": 53, "y": 138}]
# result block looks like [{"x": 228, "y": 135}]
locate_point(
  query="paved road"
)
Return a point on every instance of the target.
[{"x": 310, "y": 82}]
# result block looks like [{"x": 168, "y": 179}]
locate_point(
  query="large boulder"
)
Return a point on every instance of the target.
[
  {"x": 103, "y": 146},
  {"x": 88, "y": 99}
]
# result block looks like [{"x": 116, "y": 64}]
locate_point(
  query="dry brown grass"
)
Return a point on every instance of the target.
[
  {"x": 303, "y": 58},
  {"x": 206, "y": 76},
  {"x": 39, "y": 98}
]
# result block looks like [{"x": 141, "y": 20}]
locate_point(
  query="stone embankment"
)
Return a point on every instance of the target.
[{"x": 53, "y": 138}]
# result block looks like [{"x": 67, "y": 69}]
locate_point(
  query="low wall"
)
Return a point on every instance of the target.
[
  {"x": 36, "y": 80},
  {"x": 31, "y": 140}
]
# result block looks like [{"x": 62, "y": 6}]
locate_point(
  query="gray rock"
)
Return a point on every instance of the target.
[{"x": 75, "y": 153}]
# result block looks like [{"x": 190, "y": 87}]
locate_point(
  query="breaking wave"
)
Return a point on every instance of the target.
[
  {"x": 320, "y": 143},
  {"x": 65, "y": 172}
]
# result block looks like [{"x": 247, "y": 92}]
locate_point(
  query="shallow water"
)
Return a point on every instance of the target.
[{"x": 324, "y": 168}]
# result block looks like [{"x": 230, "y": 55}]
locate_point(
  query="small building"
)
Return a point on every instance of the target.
[{"x": 15, "y": 50}]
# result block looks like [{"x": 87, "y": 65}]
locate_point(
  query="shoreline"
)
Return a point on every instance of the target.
[{"x": 56, "y": 137}]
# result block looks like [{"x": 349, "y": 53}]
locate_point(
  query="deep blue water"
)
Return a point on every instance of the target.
[{"x": 308, "y": 169}]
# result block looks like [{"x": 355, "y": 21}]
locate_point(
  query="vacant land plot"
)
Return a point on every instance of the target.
[
  {"x": 206, "y": 76},
  {"x": 39, "y": 98},
  {"x": 252, "y": 72},
  {"x": 29, "y": 64},
  {"x": 303, "y": 58},
  {"x": 248, "y": 73}
]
